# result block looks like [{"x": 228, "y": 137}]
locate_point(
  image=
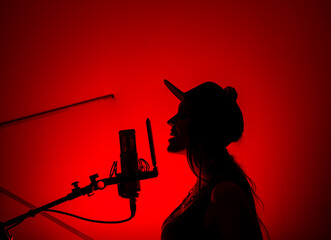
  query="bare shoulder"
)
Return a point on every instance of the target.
[{"x": 231, "y": 214}]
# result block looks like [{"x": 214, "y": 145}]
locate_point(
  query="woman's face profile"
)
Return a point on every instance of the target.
[{"x": 179, "y": 129}]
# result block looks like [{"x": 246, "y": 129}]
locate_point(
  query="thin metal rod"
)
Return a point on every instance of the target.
[
  {"x": 46, "y": 215},
  {"x": 151, "y": 142},
  {"x": 53, "y": 110}
]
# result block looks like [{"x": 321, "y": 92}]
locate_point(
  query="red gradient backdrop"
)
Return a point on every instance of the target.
[{"x": 53, "y": 53}]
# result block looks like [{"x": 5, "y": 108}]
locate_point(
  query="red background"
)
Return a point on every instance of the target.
[{"x": 54, "y": 53}]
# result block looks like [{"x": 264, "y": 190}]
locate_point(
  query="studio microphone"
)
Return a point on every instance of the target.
[
  {"x": 132, "y": 168},
  {"x": 129, "y": 164}
]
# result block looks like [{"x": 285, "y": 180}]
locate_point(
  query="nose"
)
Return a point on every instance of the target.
[{"x": 172, "y": 121}]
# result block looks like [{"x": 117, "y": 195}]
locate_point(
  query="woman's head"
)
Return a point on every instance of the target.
[
  {"x": 208, "y": 120},
  {"x": 211, "y": 113}
]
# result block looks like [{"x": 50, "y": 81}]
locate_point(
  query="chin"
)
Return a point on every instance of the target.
[{"x": 175, "y": 148}]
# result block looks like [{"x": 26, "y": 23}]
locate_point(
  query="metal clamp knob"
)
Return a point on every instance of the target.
[{"x": 75, "y": 184}]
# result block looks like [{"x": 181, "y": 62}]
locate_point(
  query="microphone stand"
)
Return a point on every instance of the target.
[
  {"x": 87, "y": 190},
  {"x": 78, "y": 191}
]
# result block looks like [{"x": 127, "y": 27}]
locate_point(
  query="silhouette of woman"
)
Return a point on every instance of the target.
[{"x": 221, "y": 203}]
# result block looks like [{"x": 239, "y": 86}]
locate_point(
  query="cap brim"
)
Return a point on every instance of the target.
[{"x": 178, "y": 93}]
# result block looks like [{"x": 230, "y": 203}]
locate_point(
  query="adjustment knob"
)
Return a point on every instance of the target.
[
  {"x": 75, "y": 184},
  {"x": 94, "y": 177}
]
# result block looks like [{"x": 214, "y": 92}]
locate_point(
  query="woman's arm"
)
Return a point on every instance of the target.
[{"x": 230, "y": 213}]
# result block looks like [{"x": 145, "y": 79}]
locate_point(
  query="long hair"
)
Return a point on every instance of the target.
[{"x": 210, "y": 132}]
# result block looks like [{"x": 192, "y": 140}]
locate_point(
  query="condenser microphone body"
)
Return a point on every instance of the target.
[{"x": 129, "y": 164}]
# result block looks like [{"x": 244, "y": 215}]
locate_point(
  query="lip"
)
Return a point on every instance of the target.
[
  {"x": 173, "y": 133},
  {"x": 171, "y": 138}
]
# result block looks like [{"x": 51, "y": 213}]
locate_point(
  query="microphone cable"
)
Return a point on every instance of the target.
[
  {"x": 143, "y": 166},
  {"x": 132, "y": 209}
]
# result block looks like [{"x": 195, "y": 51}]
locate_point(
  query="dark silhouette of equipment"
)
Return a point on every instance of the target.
[
  {"x": 28, "y": 117},
  {"x": 128, "y": 181},
  {"x": 129, "y": 163}
]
